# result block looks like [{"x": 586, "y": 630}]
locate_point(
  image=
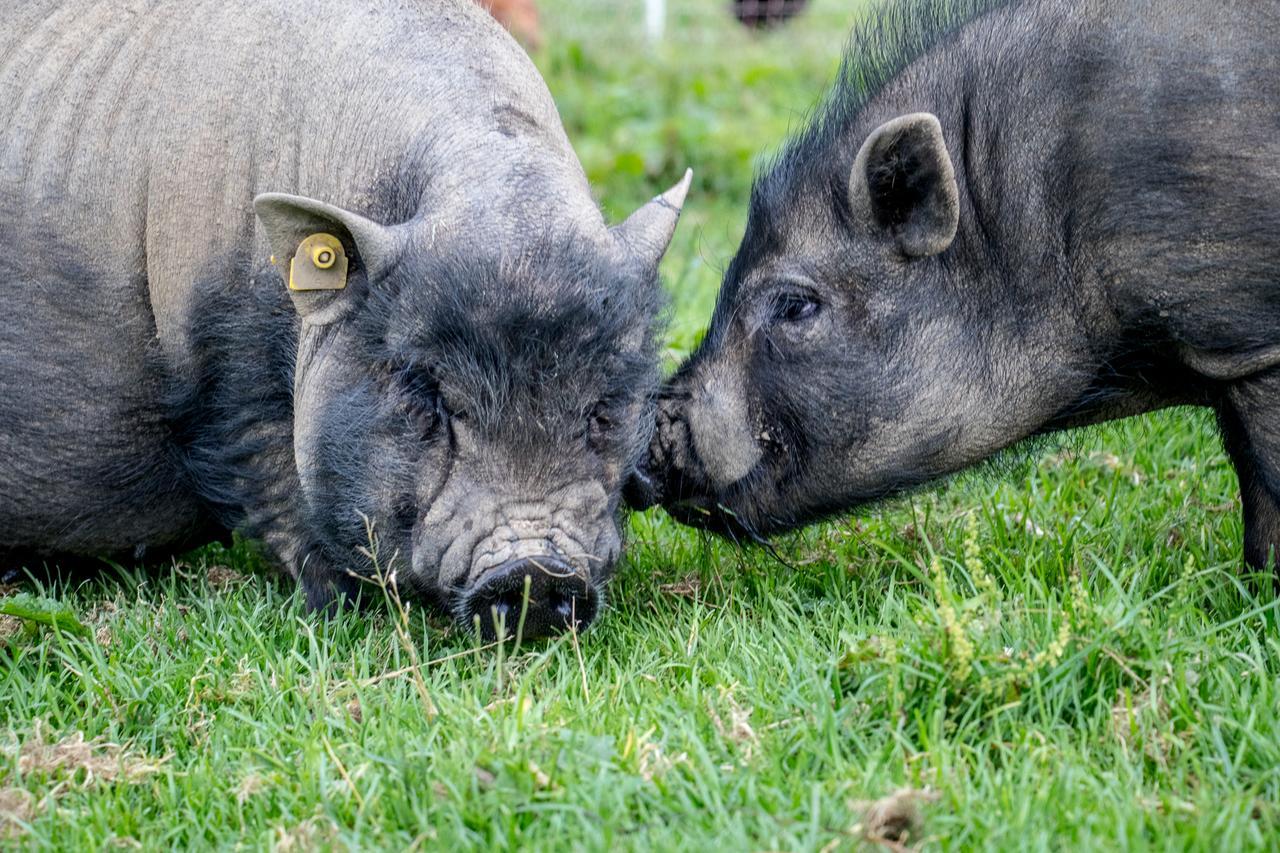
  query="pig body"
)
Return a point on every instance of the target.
[
  {"x": 1045, "y": 215},
  {"x": 159, "y": 383}
]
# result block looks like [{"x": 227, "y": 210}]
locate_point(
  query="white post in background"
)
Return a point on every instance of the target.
[{"x": 655, "y": 19}]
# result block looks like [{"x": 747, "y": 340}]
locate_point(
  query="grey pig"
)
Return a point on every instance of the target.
[{"x": 459, "y": 382}]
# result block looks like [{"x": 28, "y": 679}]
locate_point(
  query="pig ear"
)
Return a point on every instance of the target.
[
  {"x": 317, "y": 248},
  {"x": 904, "y": 186},
  {"x": 645, "y": 235}
]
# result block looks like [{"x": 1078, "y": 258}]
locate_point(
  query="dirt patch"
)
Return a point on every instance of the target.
[
  {"x": 894, "y": 821},
  {"x": 651, "y": 760},
  {"x": 74, "y": 762},
  {"x": 249, "y": 786},
  {"x": 17, "y": 807},
  {"x": 83, "y": 761},
  {"x": 101, "y": 620},
  {"x": 317, "y": 833},
  {"x": 735, "y": 724},
  {"x": 225, "y": 577},
  {"x": 10, "y": 627},
  {"x": 689, "y": 587}
]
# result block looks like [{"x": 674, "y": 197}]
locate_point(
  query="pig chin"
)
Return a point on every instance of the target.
[{"x": 729, "y": 509}]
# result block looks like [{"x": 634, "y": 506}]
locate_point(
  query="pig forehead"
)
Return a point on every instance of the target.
[
  {"x": 566, "y": 303},
  {"x": 524, "y": 353},
  {"x": 523, "y": 260},
  {"x": 790, "y": 239},
  {"x": 535, "y": 337},
  {"x": 805, "y": 233}
]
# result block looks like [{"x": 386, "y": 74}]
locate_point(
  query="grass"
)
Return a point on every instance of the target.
[{"x": 1063, "y": 650}]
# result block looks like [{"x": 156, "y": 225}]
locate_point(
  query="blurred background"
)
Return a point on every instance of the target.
[{"x": 715, "y": 85}]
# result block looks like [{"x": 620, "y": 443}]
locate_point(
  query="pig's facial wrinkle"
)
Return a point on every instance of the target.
[
  {"x": 471, "y": 411},
  {"x": 465, "y": 549}
]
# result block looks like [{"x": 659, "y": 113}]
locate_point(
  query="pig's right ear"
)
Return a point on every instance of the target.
[
  {"x": 903, "y": 185},
  {"x": 320, "y": 251}
]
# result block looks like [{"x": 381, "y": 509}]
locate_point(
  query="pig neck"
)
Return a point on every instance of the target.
[{"x": 233, "y": 422}]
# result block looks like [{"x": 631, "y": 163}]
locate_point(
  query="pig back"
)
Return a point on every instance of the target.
[{"x": 136, "y": 133}]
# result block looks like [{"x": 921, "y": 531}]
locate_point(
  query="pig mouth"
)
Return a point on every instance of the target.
[
  {"x": 689, "y": 497},
  {"x": 532, "y": 598},
  {"x": 713, "y": 517}
]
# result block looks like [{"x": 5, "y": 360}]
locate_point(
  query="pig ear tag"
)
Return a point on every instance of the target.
[{"x": 319, "y": 264}]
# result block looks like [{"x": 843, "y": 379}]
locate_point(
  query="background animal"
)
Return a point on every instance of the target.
[
  {"x": 766, "y": 13},
  {"x": 518, "y": 16}
]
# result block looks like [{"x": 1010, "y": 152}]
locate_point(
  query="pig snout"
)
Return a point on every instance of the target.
[
  {"x": 703, "y": 442},
  {"x": 527, "y": 567},
  {"x": 667, "y": 470},
  {"x": 657, "y": 470},
  {"x": 534, "y": 597},
  {"x": 540, "y": 569},
  {"x": 721, "y": 436}
]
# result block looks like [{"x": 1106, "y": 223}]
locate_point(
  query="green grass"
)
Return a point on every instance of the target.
[{"x": 1064, "y": 649}]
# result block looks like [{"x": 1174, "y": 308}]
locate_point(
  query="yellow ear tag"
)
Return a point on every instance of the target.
[{"x": 319, "y": 264}]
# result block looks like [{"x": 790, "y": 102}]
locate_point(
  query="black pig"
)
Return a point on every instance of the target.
[{"x": 1039, "y": 215}]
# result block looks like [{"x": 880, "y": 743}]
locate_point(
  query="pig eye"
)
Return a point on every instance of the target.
[
  {"x": 601, "y": 422},
  {"x": 421, "y": 400},
  {"x": 795, "y": 307}
]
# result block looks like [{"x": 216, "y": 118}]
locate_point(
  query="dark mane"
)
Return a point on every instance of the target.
[
  {"x": 534, "y": 339},
  {"x": 891, "y": 36}
]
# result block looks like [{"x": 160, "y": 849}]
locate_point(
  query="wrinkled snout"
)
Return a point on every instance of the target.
[
  {"x": 703, "y": 442},
  {"x": 532, "y": 597},
  {"x": 519, "y": 565},
  {"x": 666, "y": 469}
]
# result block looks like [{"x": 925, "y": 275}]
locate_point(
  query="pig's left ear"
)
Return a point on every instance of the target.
[
  {"x": 904, "y": 186},
  {"x": 645, "y": 234},
  {"x": 319, "y": 249}
]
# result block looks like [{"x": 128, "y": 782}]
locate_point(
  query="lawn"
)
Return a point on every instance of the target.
[{"x": 1058, "y": 652}]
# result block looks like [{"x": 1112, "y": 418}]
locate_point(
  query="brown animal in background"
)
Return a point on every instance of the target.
[{"x": 518, "y": 16}]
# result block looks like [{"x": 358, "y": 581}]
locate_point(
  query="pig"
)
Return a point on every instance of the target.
[
  {"x": 326, "y": 274},
  {"x": 1036, "y": 216}
]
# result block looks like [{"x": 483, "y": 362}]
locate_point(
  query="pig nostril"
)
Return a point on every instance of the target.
[
  {"x": 563, "y": 606},
  {"x": 558, "y": 598}
]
